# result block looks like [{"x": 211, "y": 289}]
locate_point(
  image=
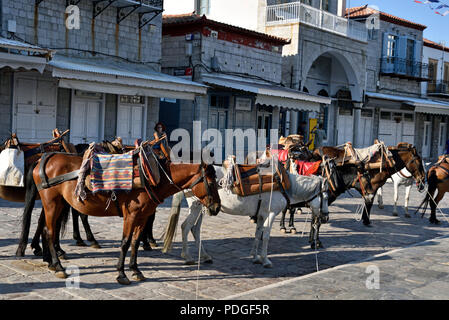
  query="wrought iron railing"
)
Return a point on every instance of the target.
[
  {"x": 298, "y": 12},
  {"x": 404, "y": 67},
  {"x": 439, "y": 86}
]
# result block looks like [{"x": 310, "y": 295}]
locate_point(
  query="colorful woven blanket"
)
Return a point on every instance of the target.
[{"x": 112, "y": 172}]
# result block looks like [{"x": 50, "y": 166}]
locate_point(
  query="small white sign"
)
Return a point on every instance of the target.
[{"x": 243, "y": 104}]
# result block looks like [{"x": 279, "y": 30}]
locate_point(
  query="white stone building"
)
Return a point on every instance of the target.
[{"x": 100, "y": 79}]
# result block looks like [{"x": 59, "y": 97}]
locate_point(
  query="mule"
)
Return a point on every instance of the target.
[
  {"x": 312, "y": 190},
  {"x": 135, "y": 206},
  {"x": 401, "y": 178},
  {"x": 438, "y": 180}
]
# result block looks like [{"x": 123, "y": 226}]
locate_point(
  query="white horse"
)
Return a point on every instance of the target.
[
  {"x": 312, "y": 190},
  {"x": 400, "y": 178}
]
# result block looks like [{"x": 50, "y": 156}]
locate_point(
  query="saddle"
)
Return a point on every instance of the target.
[
  {"x": 118, "y": 172},
  {"x": 256, "y": 179}
]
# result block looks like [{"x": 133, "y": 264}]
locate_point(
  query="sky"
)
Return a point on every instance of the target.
[{"x": 437, "y": 25}]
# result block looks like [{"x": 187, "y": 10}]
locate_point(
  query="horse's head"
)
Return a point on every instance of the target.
[
  {"x": 414, "y": 164},
  {"x": 205, "y": 188}
]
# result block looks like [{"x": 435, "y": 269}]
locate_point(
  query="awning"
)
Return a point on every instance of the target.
[
  {"x": 119, "y": 77},
  {"x": 16, "y": 54},
  {"x": 421, "y": 105},
  {"x": 271, "y": 95}
]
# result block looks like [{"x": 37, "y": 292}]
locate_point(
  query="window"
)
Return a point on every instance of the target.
[
  {"x": 373, "y": 34},
  {"x": 325, "y": 5},
  {"x": 385, "y": 115},
  {"x": 408, "y": 117},
  {"x": 308, "y": 2},
  {"x": 367, "y": 113},
  {"x": 219, "y": 101},
  {"x": 446, "y": 72},
  {"x": 392, "y": 46},
  {"x": 433, "y": 69}
]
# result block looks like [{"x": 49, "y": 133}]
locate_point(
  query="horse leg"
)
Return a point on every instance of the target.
[
  {"x": 128, "y": 229},
  {"x": 150, "y": 223},
  {"x": 291, "y": 223},
  {"x": 89, "y": 234},
  {"x": 433, "y": 206},
  {"x": 265, "y": 239},
  {"x": 137, "y": 274},
  {"x": 395, "y": 199},
  {"x": 407, "y": 196},
  {"x": 257, "y": 237},
  {"x": 314, "y": 240},
  {"x": 366, "y": 212},
  {"x": 283, "y": 229},
  {"x": 57, "y": 243},
  {"x": 76, "y": 229},
  {"x": 186, "y": 227},
  {"x": 37, "y": 251},
  {"x": 380, "y": 199},
  {"x": 196, "y": 232}
]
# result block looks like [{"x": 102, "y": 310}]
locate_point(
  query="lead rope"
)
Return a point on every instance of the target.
[
  {"x": 441, "y": 212},
  {"x": 359, "y": 212},
  {"x": 199, "y": 254}
]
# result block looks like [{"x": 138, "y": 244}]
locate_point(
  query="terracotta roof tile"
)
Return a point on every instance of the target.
[
  {"x": 435, "y": 45},
  {"x": 193, "y": 18},
  {"x": 365, "y": 11}
]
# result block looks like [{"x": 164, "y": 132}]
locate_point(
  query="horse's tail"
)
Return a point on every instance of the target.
[
  {"x": 432, "y": 181},
  {"x": 170, "y": 230},
  {"x": 30, "y": 198},
  {"x": 64, "y": 217}
]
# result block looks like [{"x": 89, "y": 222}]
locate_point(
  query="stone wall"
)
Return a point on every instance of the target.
[
  {"x": 51, "y": 31},
  {"x": 6, "y": 83}
]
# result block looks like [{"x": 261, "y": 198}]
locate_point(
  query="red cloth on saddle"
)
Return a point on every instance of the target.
[
  {"x": 307, "y": 168},
  {"x": 281, "y": 154}
]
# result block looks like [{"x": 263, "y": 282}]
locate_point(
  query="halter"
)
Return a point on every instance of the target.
[{"x": 206, "y": 183}]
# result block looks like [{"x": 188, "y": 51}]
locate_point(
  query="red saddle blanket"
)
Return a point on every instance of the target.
[
  {"x": 307, "y": 168},
  {"x": 281, "y": 154}
]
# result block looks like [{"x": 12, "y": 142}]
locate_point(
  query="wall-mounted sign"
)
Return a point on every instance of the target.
[{"x": 243, "y": 104}]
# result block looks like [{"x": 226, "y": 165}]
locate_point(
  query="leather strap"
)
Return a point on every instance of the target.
[{"x": 58, "y": 180}]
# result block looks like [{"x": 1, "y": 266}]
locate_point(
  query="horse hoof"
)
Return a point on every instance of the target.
[
  {"x": 62, "y": 256},
  {"x": 268, "y": 265},
  {"x": 38, "y": 252},
  {"x": 257, "y": 260},
  {"x": 147, "y": 247},
  {"x": 283, "y": 230},
  {"x": 395, "y": 214},
  {"x": 434, "y": 221},
  {"x": 81, "y": 243},
  {"x": 153, "y": 244},
  {"x": 95, "y": 245},
  {"x": 293, "y": 230},
  {"x": 138, "y": 277},
  {"x": 123, "y": 280},
  {"x": 367, "y": 223},
  {"x": 407, "y": 215},
  {"x": 61, "y": 274},
  {"x": 51, "y": 268},
  {"x": 190, "y": 262}
]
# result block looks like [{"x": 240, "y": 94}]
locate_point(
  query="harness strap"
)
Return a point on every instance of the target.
[
  {"x": 58, "y": 180},
  {"x": 117, "y": 206},
  {"x": 144, "y": 181},
  {"x": 281, "y": 188},
  {"x": 444, "y": 169},
  {"x": 403, "y": 175}
]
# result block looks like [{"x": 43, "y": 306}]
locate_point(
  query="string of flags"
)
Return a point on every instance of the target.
[{"x": 437, "y": 6}]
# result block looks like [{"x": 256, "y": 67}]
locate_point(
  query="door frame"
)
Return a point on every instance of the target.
[
  {"x": 144, "y": 118},
  {"x": 102, "y": 102},
  {"x": 427, "y": 155},
  {"x": 34, "y": 76}
]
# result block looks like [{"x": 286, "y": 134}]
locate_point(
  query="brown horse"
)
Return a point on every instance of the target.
[
  {"x": 136, "y": 205},
  {"x": 29, "y": 194},
  {"x": 438, "y": 179},
  {"x": 373, "y": 176}
]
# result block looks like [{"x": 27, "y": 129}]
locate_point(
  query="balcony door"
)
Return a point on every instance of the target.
[
  {"x": 426, "y": 139},
  {"x": 442, "y": 138}
]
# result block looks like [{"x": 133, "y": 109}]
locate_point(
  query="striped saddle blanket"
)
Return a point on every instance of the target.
[{"x": 112, "y": 172}]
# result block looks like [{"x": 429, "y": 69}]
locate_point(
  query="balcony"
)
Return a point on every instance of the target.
[
  {"x": 297, "y": 12},
  {"x": 438, "y": 87},
  {"x": 404, "y": 68}
]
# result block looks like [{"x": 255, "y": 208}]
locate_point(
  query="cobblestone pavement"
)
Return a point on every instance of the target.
[{"x": 229, "y": 239}]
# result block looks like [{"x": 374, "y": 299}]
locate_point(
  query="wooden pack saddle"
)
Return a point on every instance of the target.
[{"x": 255, "y": 179}]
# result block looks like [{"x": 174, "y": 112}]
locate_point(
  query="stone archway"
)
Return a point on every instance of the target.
[{"x": 354, "y": 80}]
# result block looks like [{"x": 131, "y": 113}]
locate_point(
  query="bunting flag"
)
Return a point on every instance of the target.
[{"x": 437, "y": 6}]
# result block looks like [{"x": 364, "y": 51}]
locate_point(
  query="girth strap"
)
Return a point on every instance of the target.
[
  {"x": 145, "y": 184},
  {"x": 58, "y": 180}
]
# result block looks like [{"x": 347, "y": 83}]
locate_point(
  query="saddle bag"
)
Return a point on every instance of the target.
[
  {"x": 12, "y": 168},
  {"x": 250, "y": 179}
]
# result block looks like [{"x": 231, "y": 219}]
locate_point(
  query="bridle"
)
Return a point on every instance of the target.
[{"x": 207, "y": 186}]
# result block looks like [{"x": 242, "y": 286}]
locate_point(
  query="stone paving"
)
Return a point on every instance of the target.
[{"x": 232, "y": 275}]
